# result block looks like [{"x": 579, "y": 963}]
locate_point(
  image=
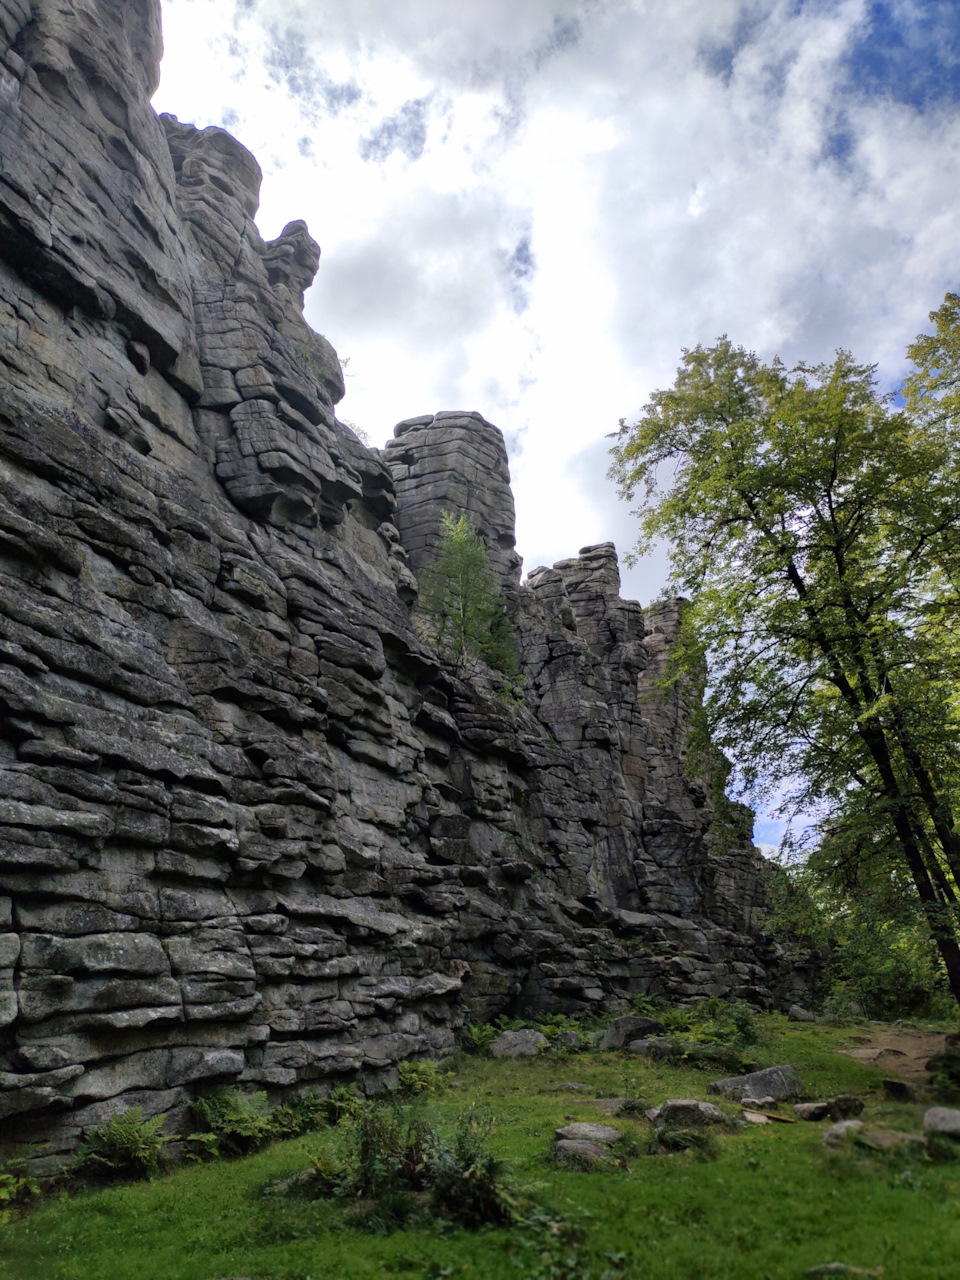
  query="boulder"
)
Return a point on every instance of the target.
[
  {"x": 900, "y": 1090},
  {"x": 942, "y": 1120},
  {"x": 780, "y": 1083},
  {"x": 845, "y": 1106},
  {"x": 519, "y": 1044},
  {"x": 579, "y": 1151},
  {"x": 683, "y": 1113},
  {"x": 884, "y": 1139},
  {"x": 620, "y": 1030},
  {"x": 838, "y": 1133},
  {"x": 650, "y": 1047},
  {"x": 797, "y": 1013},
  {"x": 581, "y": 1131},
  {"x": 812, "y": 1110}
]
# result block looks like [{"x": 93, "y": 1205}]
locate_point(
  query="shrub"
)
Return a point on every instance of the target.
[
  {"x": 302, "y": 1114},
  {"x": 127, "y": 1146},
  {"x": 556, "y": 1024},
  {"x": 418, "y": 1078},
  {"x": 479, "y": 1036},
  {"x": 236, "y": 1123},
  {"x": 398, "y": 1165},
  {"x": 468, "y": 1183},
  {"x": 16, "y": 1190},
  {"x": 342, "y": 1103}
]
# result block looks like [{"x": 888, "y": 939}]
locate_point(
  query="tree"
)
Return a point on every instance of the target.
[
  {"x": 816, "y": 528},
  {"x": 463, "y": 609}
]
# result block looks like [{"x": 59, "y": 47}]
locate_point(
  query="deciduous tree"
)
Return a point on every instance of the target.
[{"x": 815, "y": 527}]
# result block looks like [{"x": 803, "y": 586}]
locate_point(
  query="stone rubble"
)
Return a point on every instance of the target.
[{"x": 252, "y": 831}]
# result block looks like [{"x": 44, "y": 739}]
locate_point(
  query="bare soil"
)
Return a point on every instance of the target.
[{"x": 902, "y": 1053}]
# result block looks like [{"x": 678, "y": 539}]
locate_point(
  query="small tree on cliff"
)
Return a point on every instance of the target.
[
  {"x": 817, "y": 530},
  {"x": 464, "y": 613}
]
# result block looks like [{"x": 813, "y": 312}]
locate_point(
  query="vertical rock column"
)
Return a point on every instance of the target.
[{"x": 454, "y": 462}]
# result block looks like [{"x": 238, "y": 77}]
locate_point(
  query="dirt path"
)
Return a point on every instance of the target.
[{"x": 903, "y": 1054}]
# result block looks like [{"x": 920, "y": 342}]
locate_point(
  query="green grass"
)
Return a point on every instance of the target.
[{"x": 773, "y": 1203}]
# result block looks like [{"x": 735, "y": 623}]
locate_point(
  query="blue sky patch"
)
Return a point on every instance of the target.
[
  {"x": 908, "y": 51},
  {"x": 406, "y": 132}
]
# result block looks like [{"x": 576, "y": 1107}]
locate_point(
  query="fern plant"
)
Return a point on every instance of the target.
[{"x": 127, "y": 1146}]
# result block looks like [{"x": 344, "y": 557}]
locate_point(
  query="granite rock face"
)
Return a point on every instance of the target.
[{"x": 251, "y": 830}]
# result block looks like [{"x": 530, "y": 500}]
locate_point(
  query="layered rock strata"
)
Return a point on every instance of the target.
[{"x": 251, "y": 830}]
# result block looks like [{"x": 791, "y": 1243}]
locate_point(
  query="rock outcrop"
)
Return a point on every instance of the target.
[{"x": 251, "y": 830}]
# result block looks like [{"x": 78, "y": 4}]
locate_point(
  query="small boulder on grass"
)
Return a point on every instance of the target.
[
  {"x": 651, "y": 1047},
  {"x": 780, "y": 1083},
  {"x": 682, "y": 1113},
  {"x": 812, "y": 1110},
  {"x": 900, "y": 1090},
  {"x": 581, "y": 1131},
  {"x": 519, "y": 1044},
  {"x": 837, "y": 1134},
  {"x": 627, "y": 1028},
  {"x": 845, "y": 1106},
  {"x": 797, "y": 1013},
  {"x": 886, "y": 1139},
  {"x": 945, "y": 1120},
  {"x": 580, "y": 1152}
]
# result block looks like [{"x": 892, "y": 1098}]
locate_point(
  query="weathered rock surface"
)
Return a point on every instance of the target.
[
  {"x": 797, "y": 1013},
  {"x": 519, "y": 1044},
  {"x": 812, "y": 1110},
  {"x": 683, "y": 1113},
  {"x": 776, "y": 1084},
  {"x": 251, "y": 830},
  {"x": 582, "y": 1130},
  {"x": 620, "y": 1030},
  {"x": 942, "y": 1120},
  {"x": 838, "y": 1133},
  {"x": 580, "y": 1151}
]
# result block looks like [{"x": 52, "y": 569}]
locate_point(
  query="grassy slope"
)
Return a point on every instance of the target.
[{"x": 773, "y": 1204}]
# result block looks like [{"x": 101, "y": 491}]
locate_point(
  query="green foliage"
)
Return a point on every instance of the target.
[
  {"x": 461, "y": 606},
  {"x": 304, "y": 1113},
  {"x": 479, "y": 1036},
  {"x": 17, "y": 1190},
  {"x": 556, "y": 1024},
  {"x": 468, "y": 1183},
  {"x": 817, "y": 530},
  {"x": 872, "y": 954},
  {"x": 772, "y": 1204},
  {"x": 399, "y": 1164},
  {"x": 732, "y": 1023},
  {"x": 127, "y": 1146},
  {"x": 418, "y": 1078},
  {"x": 342, "y": 1103},
  {"x": 235, "y": 1123}
]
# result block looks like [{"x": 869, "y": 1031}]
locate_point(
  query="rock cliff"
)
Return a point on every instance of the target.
[{"x": 251, "y": 830}]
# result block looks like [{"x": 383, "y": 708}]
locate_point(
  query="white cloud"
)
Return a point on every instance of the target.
[{"x": 662, "y": 173}]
